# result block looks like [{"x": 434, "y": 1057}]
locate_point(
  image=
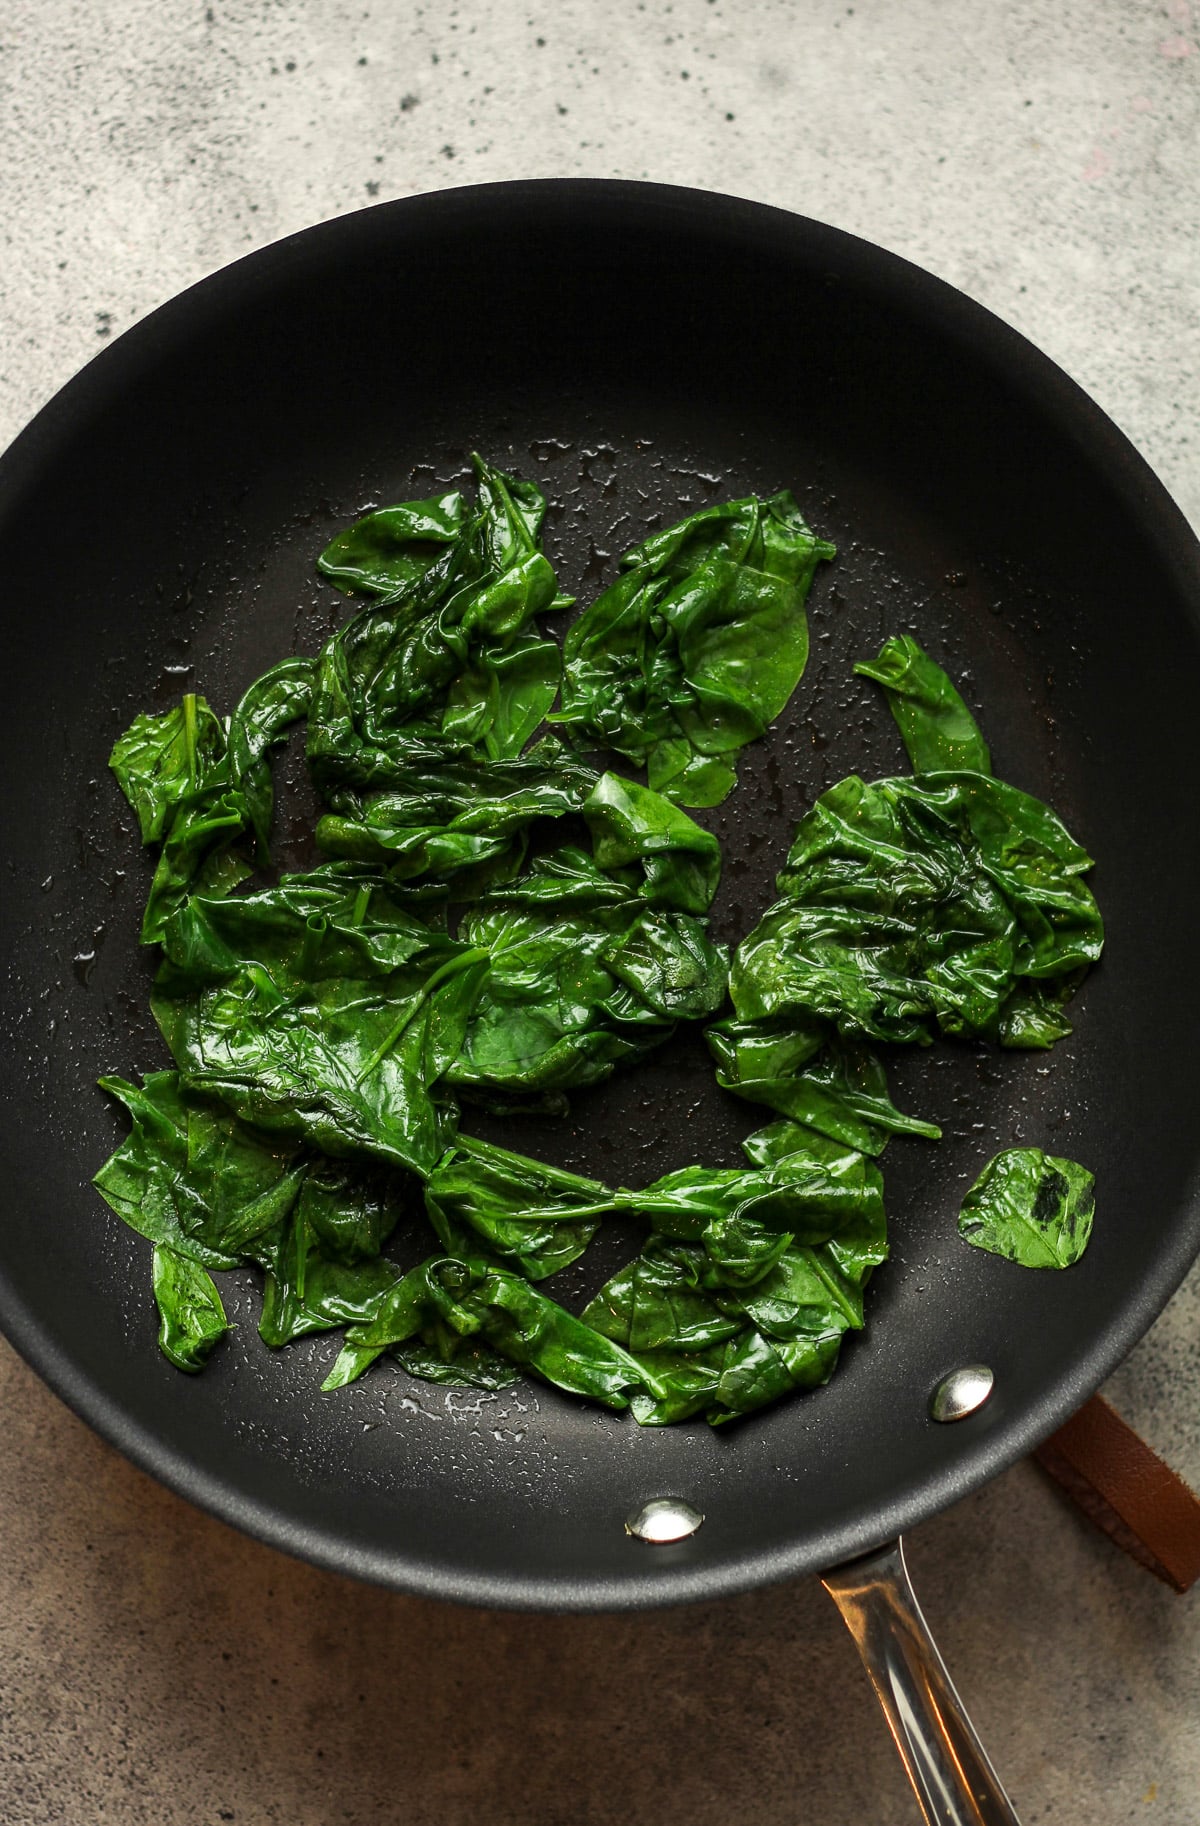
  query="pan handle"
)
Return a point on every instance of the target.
[{"x": 944, "y": 1760}]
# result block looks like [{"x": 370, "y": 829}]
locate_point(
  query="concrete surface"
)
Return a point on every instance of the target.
[{"x": 155, "y": 1667}]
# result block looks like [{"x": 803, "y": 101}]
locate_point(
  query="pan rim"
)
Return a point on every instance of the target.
[{"x": 1166, "y": 530}]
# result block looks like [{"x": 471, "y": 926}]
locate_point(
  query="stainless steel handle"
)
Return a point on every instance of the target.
[{"x": 945, "y": 1761}]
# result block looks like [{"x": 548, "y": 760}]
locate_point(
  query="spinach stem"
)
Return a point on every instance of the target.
[
  {"x": 189, "y": 734},
  {"x": 478, "y": 955},
  {"x": 822, "y": 1273},
  {"x": 315, "y": 928}
]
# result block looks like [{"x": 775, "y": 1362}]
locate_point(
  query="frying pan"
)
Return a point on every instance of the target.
[{"x": 639, "y": 350}]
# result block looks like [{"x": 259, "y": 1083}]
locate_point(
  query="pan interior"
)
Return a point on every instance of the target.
[{"x": 639, "y": 352}]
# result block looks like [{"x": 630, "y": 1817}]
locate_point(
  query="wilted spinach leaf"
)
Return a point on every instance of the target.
[
  {"x": 158, "y": 759},
  {"x": 538, "y": 1216},
  {"x": 348, "y": 1065},
  {"x": 758, "y": 1304},
  {"x": 1031, "y": 1208},
  {"x": 451, "y": 1299},
  {"x": 583, "y": 976},
  {"x": 191, "y": 1316},
  {"x": 631, "y": 824},
  {"x": 449, "y": 814},
  {"x": 198, "y": 789},
  {"x": 266, "y": 711},
  {"x": 697, "y": 646},
  {"x": 840, "y": 1091},
  {"x": 952, "y": 903},
  {"x": 389, "y": 550},
  {"x": 191, "y": 1177},
  {"x": 449, "y": 645},
  {"x": 939, "y": 732},
  {"x": 313, "y": 1282}
]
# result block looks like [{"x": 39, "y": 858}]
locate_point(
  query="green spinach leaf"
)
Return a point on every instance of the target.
[
  {"x": 482, "y": 1304},
  {"x": 390, "y": 550},
  {"x": 449, "y": 645},
  {"x": 939, "y": 732},
  {"x": 348, "y": 1065},
  {"x": 749, "y": 1279},
  {"x": 158, "y": 759},
  {"x": 840, "y": 1091},
  {"x": 953, "y": 903},
  {"x": 191, "y": 1317},
  {"x": 1031, "y": 1208},
  {"x": 697, "y": 646},
  {"x": 309, "y": 1285},
  {"x": 192, "y": 1178},
  {"x": 723, "y": 1349},
  {"x": 583, "y": 976},
  {"x": 538, "y": 1216},
  {"x": 631, "y": 824},
  {"x": 198, "y": 789},
  {"x": 452, "y": 815},
  {"x": 261, "y": 719}
]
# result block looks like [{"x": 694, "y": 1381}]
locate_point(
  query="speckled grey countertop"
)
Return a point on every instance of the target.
[{"x": 155, "y": 1666}]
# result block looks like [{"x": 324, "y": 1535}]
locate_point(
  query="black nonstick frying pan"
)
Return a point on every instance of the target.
[{"x": 638, "y": 350}]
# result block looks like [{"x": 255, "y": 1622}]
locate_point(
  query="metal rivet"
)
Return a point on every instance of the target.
[
  {"x": 664, "y": 1519},
  {"x": 962, "y": 1392}
]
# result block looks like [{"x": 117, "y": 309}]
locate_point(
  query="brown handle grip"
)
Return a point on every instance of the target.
[{"x": 1126, "y": 1489}]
